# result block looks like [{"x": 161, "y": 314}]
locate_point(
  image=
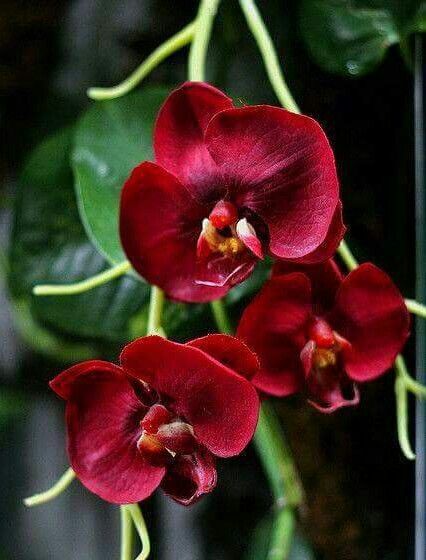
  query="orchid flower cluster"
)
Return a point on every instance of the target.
[{"x": 229, "y": 186}]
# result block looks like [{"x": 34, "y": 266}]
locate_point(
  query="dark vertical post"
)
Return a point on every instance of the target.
[{"x": 419, "y": 114}]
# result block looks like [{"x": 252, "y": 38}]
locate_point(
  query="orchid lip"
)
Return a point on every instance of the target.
[
  {"x": 224, "y": 281},
  {"x": 164, "y": 436}
]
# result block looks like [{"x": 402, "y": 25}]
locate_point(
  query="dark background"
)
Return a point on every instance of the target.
[{"x": 360, "y": 490}]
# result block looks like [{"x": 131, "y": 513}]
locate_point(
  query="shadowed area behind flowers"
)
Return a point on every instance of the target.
[{"x": 359, "y": 489}]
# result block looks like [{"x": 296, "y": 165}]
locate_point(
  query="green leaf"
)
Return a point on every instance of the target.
[
  {"x": 111, "y": 139},
  {"x": 49, "y": 245},
  {"x": 350, "y": 37}
]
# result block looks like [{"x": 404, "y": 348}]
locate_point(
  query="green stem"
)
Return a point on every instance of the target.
[
  {"x": 410, "y": 384},
  {"x": 182, "y": 38},
  {"x": 416, "y": 308},
  {"x": 84, "y": 285},
  {"x": 126, "y": 550},
  {"x": 269, "y": 55},
  {"x": 220, "y": 316},
  {"x": 277, "y": 462},
  {"x": 156, "y": 305},
  {"x": 276, "y": 459},
  {"x": 282, "y": 535},
  {"x": 53, "y": 492},
  {"x": 279, "y": 468},
  {"x": 197, "y": 54},
  {"x": 347, "y": 256},
  {"x": 139, "y": 522},
  {"x": 402, "y": 418}
]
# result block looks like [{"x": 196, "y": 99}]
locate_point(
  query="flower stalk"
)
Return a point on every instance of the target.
[
  {"x": 275, "y": 456},
  {"x": 198, "y": 51},
  {"x": 60, "y": 486},
  {"x": 416, "y": 308},
  {"x": 139, "y": 522},
  {"x": 181, "y": 39},
  {"x": 269, "y": 55},
  {"x": 221, "y": 317},
  {"x": 126, "y": 548},
  {"x": 277, "y": 461},
  {"x": 347, "y": 256},
  {"x": 85, "y": 285},
  {"x": 156, "y": 306}
]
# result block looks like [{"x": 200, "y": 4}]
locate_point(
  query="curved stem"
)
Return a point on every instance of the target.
[
  {"x": 410, "y": 384},
  {"x": 137, "y": 517},
  {"x": 197, "y": 54},
  {"x": 416, "y": 308},
  {"x": 126, "y": 549},
  {"x": 53, "y": 492},
  {"x": 182, "y": 38},
  {"x": 277, "y": 462},
  {"x": 84, "y": 285},
  {"x": 347, "y": 256},
  {"x": 276, "y": 459},
  {"x": 280, "y": 470},
  {"x": 402, "y": 418},
  {"x": 156, "y": 305},
  {"x": 220, "y": 316},
  {"x": 269, "y": 55}
]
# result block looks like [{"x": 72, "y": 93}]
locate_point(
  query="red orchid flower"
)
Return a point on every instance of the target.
[
  {"x": 318, "y": 332},
  {"x": 160, "y": 417},
  {"x": 229, "y": 184}
]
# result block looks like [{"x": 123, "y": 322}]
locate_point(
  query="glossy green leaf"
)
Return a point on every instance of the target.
[
  {"x": 110, "y": 140},
  {"x": 350, "y": 37},
  {"x": 49, "y": 245}
]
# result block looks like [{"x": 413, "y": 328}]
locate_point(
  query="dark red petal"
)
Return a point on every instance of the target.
[
  {"x": 325, "y": 280},
  {"x": 103, "y": 415},
  {"x": 190, "y": 477},
  {"x": 371, "y": 314},
  {"x": 179, "y": 135},
  {"x": 329, "y": 389},
  {"x": 154, "y": 451},
  {"x": 279, "y": 165},
  {"x": 222, "y": 272},
  {"x": 156, "y": 416},
  {"x": 274, "y": 325},
  {"x": 321, "y": 333},
  {"x": 221, "y": 405},
  {"x": 329, "y": 246},
  {"x": 159, "y": 226},
  {"x": 66, "y": 382},
  {"x": 177, "y": 437},
  {"x": 330, "y": 397},
  {"x": 229, "y": 351}
]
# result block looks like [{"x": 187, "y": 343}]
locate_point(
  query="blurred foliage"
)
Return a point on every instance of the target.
[
  {"x": 49, "y": 245},
  {"x": 12, "y": 404},
  {"x": 351, "y": 37}
]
